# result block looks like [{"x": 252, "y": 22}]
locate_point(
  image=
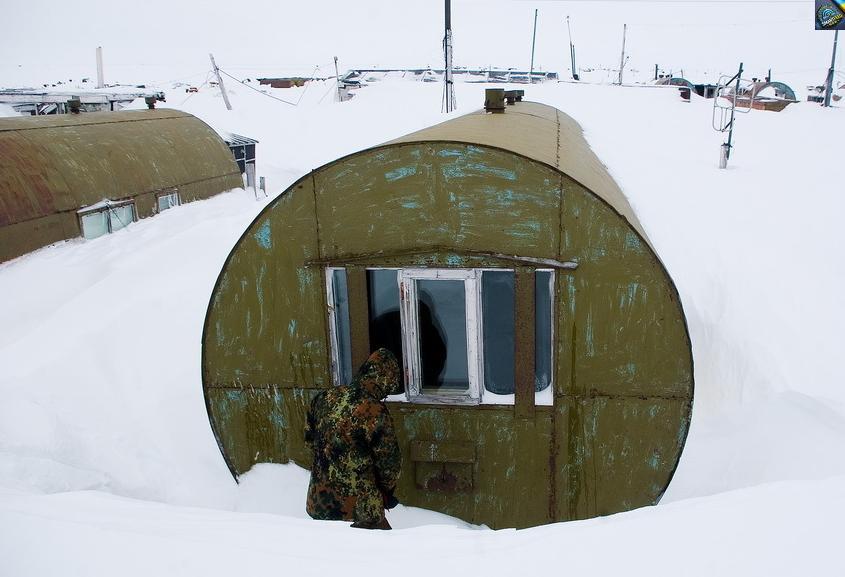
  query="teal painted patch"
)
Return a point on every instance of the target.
[
  {"x": 588, "y": 336},
  {"x": 630, "y": 295},
  {"x": 487, "y": 170},
  {"x": 654, "y": 460},
  {"x": 303, "y": 278},
  {"x": 523, "y": 230},
  {"x": 633, "y": 242},
  {"x": 411, "y": 204},
  {"x": 450, "y": 152},
  {"x": 628, "y": 370},
  {"x": 400, "y": 173},
  {"x": 454, "y": 260},
  {"x": 292, "y": 327},
  {"x": 263, "y": 236}
]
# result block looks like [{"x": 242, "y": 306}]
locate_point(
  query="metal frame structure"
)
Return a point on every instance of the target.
[{"x": 725, "y": 124}]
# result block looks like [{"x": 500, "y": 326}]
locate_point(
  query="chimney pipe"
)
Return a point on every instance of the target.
[
  {"x": 100, "y": 83},
  {"x": 494, "y": 100}
]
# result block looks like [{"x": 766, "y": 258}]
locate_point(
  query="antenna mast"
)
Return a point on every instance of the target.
[
  {"x": 829, "y": 87},
  {"x": 622, "y": 61},
  {"x": 533, "y": 39},
  {"x": 571, "y": 51},
  {"x": 448, "y": 81}
]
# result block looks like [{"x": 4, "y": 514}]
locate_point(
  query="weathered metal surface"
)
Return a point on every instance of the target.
[
  {"x": 622, "y": 359},
  {"x": 524, "y": 342},
  {"x": 541, "y": 133},
  {"x": 50, "y": 166}
]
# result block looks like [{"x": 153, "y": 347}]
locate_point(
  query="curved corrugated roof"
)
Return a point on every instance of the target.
[
  {"x": 52, "y": 164},
  {"x": 539, "y": 132}
]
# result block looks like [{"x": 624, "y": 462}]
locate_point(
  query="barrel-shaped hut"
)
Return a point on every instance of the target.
[
  {"x": 69, "y": 175},
  {"x": 548, "y": 373}
]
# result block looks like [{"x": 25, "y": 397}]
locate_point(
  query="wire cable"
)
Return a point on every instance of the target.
[
  {"x": 301, "y": 95},
  {"x": 257, "y": 90}
]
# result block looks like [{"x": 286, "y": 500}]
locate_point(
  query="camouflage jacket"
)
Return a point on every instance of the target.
[{"x": 356, "y": 457}]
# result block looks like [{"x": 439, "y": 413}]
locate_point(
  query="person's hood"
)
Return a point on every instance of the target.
[{"x": 379, "y": 375}]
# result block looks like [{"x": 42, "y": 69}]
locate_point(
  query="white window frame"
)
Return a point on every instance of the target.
[
  {"x": 410, "y": 343},
  {"x": 333, "y": 336},
  {"x": 474, "y": 319},
  {"x": 171, "y": 193},
  {"x": 107, "y": 207}
]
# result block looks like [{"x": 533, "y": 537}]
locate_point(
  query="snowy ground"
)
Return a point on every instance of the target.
[{"x": 108, "y": 465}]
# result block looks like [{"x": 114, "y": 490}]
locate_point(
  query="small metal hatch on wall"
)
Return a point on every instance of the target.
[{"x": 443, "y": 467}]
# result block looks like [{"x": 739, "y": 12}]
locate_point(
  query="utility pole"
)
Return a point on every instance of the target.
[
  {"x": 622, "y": 60},
  {"x": 449, "y": 103},
  {"x": 337, "y": 78},
  {"x": 220, "y": 82},
  {"x": 829, "y": 91},
  {"x": 655, "y": 71},
  {"x": 533, "y": 39},
  {"x": 571, "y": 51}
]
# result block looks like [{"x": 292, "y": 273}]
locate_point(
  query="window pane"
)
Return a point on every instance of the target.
[
  {"x": 95, "y": 224},
  {"x": 166, "y": 201},
  {"x": 497, "y": 302},
  {"x": 442, "y": 335},
  {"x": 120, "y": 216},
  {"x": 542, "y": 330},
  {"x": 341, "y": 325},
  {"x": 385, "y": 319}
]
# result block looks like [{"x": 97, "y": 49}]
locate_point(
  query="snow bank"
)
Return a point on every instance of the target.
[{"x": 105, "y": 442}]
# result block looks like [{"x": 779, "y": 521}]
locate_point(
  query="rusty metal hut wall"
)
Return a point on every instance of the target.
[
  {"x": 51, "y": 166},
  {"x": 464, "y": 194}
]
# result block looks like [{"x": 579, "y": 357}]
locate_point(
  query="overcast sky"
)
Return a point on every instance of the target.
[{"x": 678, "y": 34}]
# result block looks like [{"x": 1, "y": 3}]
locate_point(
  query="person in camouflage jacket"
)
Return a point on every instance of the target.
[{"x": 356, "y": 456}]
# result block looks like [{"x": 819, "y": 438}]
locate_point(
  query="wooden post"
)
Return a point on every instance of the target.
[{"x": 220, "y": 82}]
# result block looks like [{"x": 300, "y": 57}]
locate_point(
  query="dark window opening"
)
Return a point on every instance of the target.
[
  {"x": 442, "y": 335},
  {"x": 385, "y": 317}
]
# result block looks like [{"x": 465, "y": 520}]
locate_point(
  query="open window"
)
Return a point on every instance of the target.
[
  {"x": 440, "y": 329},
  {"x": 454, "y": 331}
]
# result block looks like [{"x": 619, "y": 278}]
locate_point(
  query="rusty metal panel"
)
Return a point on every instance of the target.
[
  {"x": 266, "y": 321},
  {"x": 359, "y": 315},
  {"x": 443, "y": 452},
  {"x": 524, "y": 342}
]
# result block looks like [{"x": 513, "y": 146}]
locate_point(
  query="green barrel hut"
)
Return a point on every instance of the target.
[
  {"x": 547, "y": 364},
  {"x": 69, "y": 175}
]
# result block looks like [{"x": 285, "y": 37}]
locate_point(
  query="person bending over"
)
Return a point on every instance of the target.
[{"x": 356, "y": 457}]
